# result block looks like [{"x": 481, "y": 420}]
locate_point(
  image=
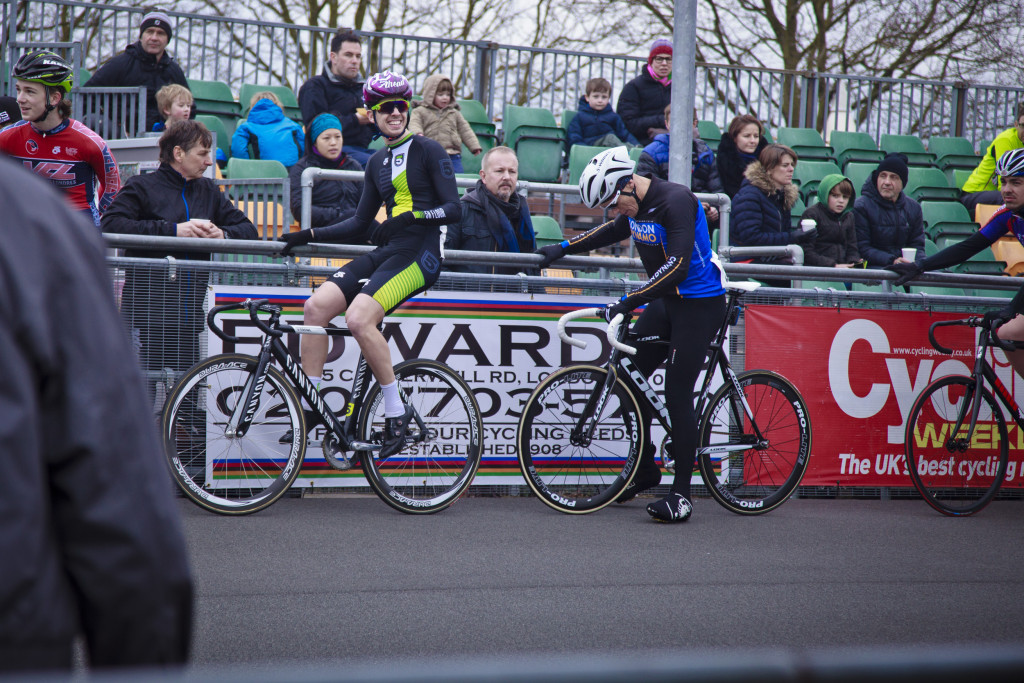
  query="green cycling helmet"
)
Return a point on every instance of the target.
[{"x": 41, "y": 66}]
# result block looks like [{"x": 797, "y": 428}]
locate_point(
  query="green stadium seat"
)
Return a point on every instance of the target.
[
  {"x": 579, "y": 157},
  {"x": 470, "y": 163},
  {"x": 807, "y": 143},
  {"x": 929, "y": 183},
  {"x": 768, "y": 135},
  {"x": 474, "y": 111},
  {"x": 982, "y": 263},
  {"x": 929, "y": 247},
  {"x": 854, "y": 147},
  {"x": 547, "y": 230},
  {"x": 475, "y": 114},
  {"x": 809, "y": 174},
  {"x": 216, "y": 125},
  {"x": 909, "y": 145},
  {"x": 947, "y": 218},
  {"x": 537, "y": 140},
  {"x": 284, "y": 93},
  {"x": 953, "y": 152},
  {"x": 215, "y": 98},
  {"x": 377, "y": 143},
  {"x": 567, "y": 116},
  {"x": 239, "y": 169},
  {"x": 635, "y": 152},
  {"x": 797, "y": 211},
  {"x": 710, "y": 133},
  {"x": 858, "y": 173},
  {"x": 960, "y": 176}
]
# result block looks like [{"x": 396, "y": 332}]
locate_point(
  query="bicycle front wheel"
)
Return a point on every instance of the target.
[
  {"x": 957, "y": 474},
  {"x": 445, "y": 444},
  {"x": 579, "y": 473},
  {"x": 227, "y": 473},
  {"x": 753, "y": 461}
]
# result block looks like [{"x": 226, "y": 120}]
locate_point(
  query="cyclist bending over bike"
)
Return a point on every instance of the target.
[
  {"x": 1008, "y": 219},
  {"x": 685, "y": 296},
  {"x": 413, "y": 177}
]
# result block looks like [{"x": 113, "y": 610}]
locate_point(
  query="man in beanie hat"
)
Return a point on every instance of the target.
[
  {"x": 643, "y": 100},
  {"x": 145, "y": 62},
  {"x": 888, "y": 220}
]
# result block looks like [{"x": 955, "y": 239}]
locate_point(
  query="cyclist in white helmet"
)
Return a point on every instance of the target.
[
  {"x": 1009, "y": 219},
  {"x": 685, "y": 298}
]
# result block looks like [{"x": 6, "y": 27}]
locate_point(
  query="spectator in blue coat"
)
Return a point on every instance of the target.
[
  {"x": 887, "y": 219},
  {"x": 268, "y": 133},
  {"x": 761, "y": 210},
  {"x": 596, "y": 123}
]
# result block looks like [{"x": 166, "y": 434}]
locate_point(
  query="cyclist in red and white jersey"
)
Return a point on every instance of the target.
[
  {"x": 47, "y": 141},
  {"x": 1008, "y": 220}
]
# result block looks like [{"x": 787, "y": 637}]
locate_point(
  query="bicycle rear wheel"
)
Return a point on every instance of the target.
[
  {"x": 956, "y": 476},
  {"x": 445, "y": 446},
  {"x": 579, "y": 477},
  {"x": 232, "y": 475},
  {"x": 760, "y": 476}
]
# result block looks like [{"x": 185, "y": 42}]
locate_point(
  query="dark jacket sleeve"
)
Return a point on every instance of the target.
[
  {"x": 756, "y": 221},
  {"x": 629, "y": 108},
  {"x": 622, "y": 132},
  {"x": 575, "y": 132},
  {"x": 866, "y": 221},
  {"x": 312, "y": 100},
  {"x": 111, "y": 74},
  {"x": 647, "y": 166},
  {"x": 124, "y": 215}
]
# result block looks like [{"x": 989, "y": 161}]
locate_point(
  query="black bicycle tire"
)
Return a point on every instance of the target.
[
  {"x": 800, "y": 421},
  {"x": 370, "y": 463},
  {"x": 195, "y": 492},
  {"x": 531, "y": 474},
  {"x": 926, "y": 488}
]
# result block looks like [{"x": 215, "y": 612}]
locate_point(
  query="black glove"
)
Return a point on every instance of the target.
[
  {"x": 550, "y": 253},
  {"x": 799, "y": 236},
  {"x": 381, "y": 233},
  {"x": 611, "y": 310},
  {"x": 295, "y": 239},
  {"x": 906, "y": 272},
  {"x": 995, "y": 319}
]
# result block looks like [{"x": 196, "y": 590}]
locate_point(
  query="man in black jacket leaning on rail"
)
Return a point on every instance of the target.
[
  {"x": 91, "y": 542},
  {"x": 164, "y": 315}
]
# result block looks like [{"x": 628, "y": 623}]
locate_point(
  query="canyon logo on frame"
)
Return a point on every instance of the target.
[{"x": 859, "y": 372}]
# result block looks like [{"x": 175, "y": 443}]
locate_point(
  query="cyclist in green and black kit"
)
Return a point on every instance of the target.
[{"x": 413, "y": 177}]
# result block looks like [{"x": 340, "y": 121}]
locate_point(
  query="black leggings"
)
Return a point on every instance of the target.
[{"x": 689, "y": 325}]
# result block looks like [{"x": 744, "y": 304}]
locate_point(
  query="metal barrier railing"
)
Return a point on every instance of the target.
[{"x": 240, "y": 51}]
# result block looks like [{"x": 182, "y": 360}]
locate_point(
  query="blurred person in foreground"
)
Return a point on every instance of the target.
[{"x": 91, "y": 544}]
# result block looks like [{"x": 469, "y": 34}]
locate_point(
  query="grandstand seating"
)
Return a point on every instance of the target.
[
  {"x": 929, "y": 183},
  {"x": 858, "y": 173},
  {"x": 983, "y": 212},
  {"x": 982, "y": 263},
  {"x": 807, "y": 143},
  {"x": 797, "y": 211},
  {"x": 1010, "y": 251},
  {"x": 947, "y": 218},
  {"x": 538, "y": 141},
  {"x": 854, "y": 147},
  {"x": 567, "y": 116},
  {"x": 284, "y": 93},
  {"x": 475, "y": 114},
  {"x": 953, "y": 152},
  {"x": 911, "y": 146},
  {"x": 710, "y": 133},
  {"x": 809, "y": 174},
  {"x": 546, "y": 230},
  {"x": 255, "y": 168},
  {"x": 579, "y": 157},
  {"x": 960, "y": 176},
  {"x": 216, "y": 125},
  {"x": 215, "y": 98}
]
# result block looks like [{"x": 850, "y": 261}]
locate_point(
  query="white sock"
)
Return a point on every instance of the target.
[
  {"x": 392, "y": 400},
  {"x": 316, "y": 383}
]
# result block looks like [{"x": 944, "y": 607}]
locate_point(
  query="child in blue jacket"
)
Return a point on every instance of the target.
[
  {"x": 596, "y": 123},
  {"x": 267, "y": 133}
]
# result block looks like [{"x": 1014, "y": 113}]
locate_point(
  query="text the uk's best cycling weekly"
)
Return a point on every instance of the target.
[
  {"x": 582, "y": 432},
  {"x": 956, "y": 438},
  {"x": 236, "y": 434}
]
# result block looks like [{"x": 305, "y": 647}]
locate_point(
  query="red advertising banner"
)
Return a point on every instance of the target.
[{"x": 859, "y": 372}]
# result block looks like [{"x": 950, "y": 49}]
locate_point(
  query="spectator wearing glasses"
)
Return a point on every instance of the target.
[{"x": 643, "y": 100}]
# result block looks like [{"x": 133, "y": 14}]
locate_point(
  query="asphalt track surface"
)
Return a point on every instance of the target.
[{"x": 347, "y": 579}]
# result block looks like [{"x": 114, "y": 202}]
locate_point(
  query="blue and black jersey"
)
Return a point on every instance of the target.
[{"x": 671, "y": 236}]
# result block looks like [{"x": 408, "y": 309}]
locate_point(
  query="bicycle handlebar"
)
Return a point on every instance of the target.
[
  {"x": 974, "y": 321},
  {"x": 613, "y": 329},
  {"x": 254, "y": 306}
]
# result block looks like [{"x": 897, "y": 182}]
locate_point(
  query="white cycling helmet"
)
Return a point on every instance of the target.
[
  {"x": 600, "y": 179},
  {"x": 1011, "y": 164}
]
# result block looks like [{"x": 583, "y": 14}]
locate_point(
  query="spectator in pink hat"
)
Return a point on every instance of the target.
[{"x": 643, "y": 100}]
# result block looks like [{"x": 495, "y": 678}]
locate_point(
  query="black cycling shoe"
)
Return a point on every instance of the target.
[
  {"x": 671, "y": 508},
  {"x": 395, "y": 429},
  {"x": 648, "y": 476},
  {"x": 312, "y": 420}
]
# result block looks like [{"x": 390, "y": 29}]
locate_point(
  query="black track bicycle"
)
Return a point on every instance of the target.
[
  {"x": 956, "y": 438},
  {"x": 581, "y": 432},
  {"x": 236, "y": 434}
]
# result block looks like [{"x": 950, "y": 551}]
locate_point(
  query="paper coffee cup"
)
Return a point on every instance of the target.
[
  {"x": 909, "y": 253},
  {"x": 807, "y": 224}
]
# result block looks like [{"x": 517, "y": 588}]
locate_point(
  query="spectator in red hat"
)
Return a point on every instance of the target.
[{"x": 643, "y": 100}]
